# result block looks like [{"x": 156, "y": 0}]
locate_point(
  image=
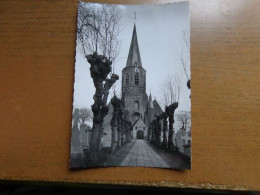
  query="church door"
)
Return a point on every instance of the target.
[{"x": 140, "y": 134}]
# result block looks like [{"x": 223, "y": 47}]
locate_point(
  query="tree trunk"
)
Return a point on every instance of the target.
[
  {"x": 154, "y": 132},
  {"x": 123, "y": 133},
  {"x": 170, "y": 112},
  {"x": 164, "y": 131},
  {"x": 150, "y": 131},
  {"x": 170, "y": 136},
  {"x": 123, "y": 139},
  {"x": 119, "y": 128},
  {"x": 114, "y": 122},
  {"x": 114, "y": 139},
  {"x": 99, "y": 70},
  {"x": 158, "y": 140},
  {"x": 128, "y": 131},
  {"x": 95, "y": 141},
  {"x": 119, "y": 139}
]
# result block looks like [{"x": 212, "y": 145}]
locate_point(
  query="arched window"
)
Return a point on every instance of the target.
[
  {"x": 136, "y": 105},
  {"x": 135, "y": 64},
  {"x": 136, "y": 79},
  {"x": 127, "y": 79}
]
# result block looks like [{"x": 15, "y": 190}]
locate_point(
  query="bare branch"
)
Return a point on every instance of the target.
[
  {"x": 185, "y": 56},
  {"x": 170, "y": 90},
  {"x": 98, "y": 29},
  {"x": 85, "y": 114},
  {"x": 186, "y": 38},
  {"x": 183, "y": 117},
  {"x": 184, "y": 66}
]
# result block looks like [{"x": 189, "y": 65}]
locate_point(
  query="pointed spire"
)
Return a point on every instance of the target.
[
  {"x": 134, "y": 58},
  {"x": 150, "y": 102}
]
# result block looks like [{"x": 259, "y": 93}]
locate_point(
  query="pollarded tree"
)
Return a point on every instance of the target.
[
  {"x": 170, "y": 98},
  {"x": 115, "y": 101},
  {"x": 97, "y": 34}
]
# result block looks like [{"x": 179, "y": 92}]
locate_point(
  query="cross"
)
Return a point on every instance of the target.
[{"x": 135, "y": 16}]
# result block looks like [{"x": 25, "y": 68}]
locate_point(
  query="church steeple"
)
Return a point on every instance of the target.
[
  {"x": 134, "y": 58},
  {"x": 150, "y": 102},
  {"x": 134, "y": 94}
]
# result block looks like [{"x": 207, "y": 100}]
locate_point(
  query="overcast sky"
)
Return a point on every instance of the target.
[{"x": 160, "y": 36}]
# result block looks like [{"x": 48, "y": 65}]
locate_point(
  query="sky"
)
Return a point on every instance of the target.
[{"x": 160, "y": 31}]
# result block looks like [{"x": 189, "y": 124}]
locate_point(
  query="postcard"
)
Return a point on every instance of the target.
[{"x": 132, "y": 88}]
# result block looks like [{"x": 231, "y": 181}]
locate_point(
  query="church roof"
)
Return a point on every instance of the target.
[
  {"x": 134, "y": 54},
  {"x": 150, "y": 105},
  {"x": 157, "y": 108}
]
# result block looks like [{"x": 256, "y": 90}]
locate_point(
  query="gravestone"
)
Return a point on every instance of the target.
[{"x": 76, "y": 149}]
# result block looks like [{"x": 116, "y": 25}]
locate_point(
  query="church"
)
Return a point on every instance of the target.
[{"x": 139, "y": 109}]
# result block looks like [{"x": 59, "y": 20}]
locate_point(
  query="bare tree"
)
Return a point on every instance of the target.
[
  {"x": 98, "y": 29},
  {"x": 100, "y": 68},
  {"x": 185, "y": 57},
  {"x": 170, "y": 98},
  {"x": 97, "y": 34},
  {"x": 184, "y": 118},
  {"x": 170, "y": 90},
  {"x": 85, "y": 114}
]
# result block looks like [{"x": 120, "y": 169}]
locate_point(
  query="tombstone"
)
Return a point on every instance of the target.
[
  {"x": 75, "y": 140},
  {"x": 75, "y": 137},
  {"x": 84, "y": 136},
  {"x": 179, "y": 141},
  {"x": 76, "y": 150},
  {"x": 186, "y": 146}
]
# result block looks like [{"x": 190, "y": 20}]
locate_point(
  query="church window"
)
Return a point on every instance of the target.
[
  {"x": 135, "y": 64},
  {"x": 136, "y": 105},
  {"x": 127, "y": 79},
  {"x": 136, "y": 79}
]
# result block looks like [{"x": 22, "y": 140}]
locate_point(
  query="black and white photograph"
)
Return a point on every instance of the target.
[{"x": 132, "y": 90}]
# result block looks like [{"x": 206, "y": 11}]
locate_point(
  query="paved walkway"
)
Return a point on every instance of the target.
[
  {"x": 142, "y": 154},
  {"x": 115, "y": 159}
]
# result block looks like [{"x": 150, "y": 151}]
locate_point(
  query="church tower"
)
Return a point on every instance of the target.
[{"x": 134, "y": 83}]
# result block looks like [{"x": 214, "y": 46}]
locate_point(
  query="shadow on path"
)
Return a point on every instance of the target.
[
  {"x": 175, "y": 159},
  {"x": 116, "y": 158},
  {"x": 139, "y": 153}
]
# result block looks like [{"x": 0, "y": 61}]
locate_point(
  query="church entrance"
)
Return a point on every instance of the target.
[{"x": 139, "y": 134}]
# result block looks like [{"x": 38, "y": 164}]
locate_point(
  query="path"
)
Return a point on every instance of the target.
[{"x": 142, "y": 154}]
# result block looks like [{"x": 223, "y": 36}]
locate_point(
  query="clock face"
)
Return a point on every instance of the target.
[
  {"x": 136, "y": 69},
  {"x": 135, "y": 117}
]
